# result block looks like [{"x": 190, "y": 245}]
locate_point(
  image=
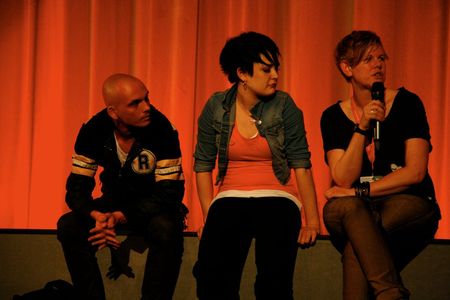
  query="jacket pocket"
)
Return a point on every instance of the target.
[{"x": 275, "y": 133}]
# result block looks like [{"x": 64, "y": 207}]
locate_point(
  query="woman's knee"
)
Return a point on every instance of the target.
[
  {"x": 337, "y": 208},
  {"x": 403, "y": 211},
  {"x": 336, "y": 211}
]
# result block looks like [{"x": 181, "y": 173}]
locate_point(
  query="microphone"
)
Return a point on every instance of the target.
[{"x": 377, "y": 92}]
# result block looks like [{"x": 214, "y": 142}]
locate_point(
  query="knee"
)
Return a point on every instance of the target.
[
  {"x": 68, "y": 227},
  {"x": 410, "y": 214},
  {"x": 165, "y": 235},
  {"x": 342, "y": 206},
  {"x": 63, "y": 225},
  {"x": 339, "y": 209}
]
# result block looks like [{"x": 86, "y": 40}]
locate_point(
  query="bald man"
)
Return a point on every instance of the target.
[{"x": 142, "y": 190}]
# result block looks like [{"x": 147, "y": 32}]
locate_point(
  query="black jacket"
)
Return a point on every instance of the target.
[{"x": 151, "y": 174}]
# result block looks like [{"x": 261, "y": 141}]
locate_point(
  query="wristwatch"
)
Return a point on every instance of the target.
[{"x": 360, "y": 131}]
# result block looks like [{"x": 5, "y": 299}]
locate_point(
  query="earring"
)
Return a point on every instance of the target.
[{"x": 244, "y": 84}]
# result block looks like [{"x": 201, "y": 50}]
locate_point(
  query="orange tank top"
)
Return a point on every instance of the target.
[{"x": 250, "y": 172}]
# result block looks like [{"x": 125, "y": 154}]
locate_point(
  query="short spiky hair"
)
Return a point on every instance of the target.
[
  {"x": 353, "y": 46},
  {"x": 245, "y": 49}
]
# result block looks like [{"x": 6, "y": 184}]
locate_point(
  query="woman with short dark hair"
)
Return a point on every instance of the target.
[{"x": 257, "y": 135}]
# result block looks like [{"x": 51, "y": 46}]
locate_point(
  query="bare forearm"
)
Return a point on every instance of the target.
[
  {"x": 205, "y": 191},
  {"x": 307, "y": 192},
  {"x": 413, "y": 172},
  {"x": 347, "y": 167},
  {"x": 395, "y": 182}
]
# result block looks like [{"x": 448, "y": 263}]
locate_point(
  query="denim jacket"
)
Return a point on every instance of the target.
[{"x": 278, "y": 119}]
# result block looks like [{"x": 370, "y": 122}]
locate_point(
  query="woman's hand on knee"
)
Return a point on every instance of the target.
[{"x": 337, "y": 191}]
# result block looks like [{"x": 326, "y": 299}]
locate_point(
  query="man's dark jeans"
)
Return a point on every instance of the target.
[{"x": 162, "y": 232}]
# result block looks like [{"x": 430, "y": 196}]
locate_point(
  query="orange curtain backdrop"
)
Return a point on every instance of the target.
[{"x": 55, "y": 54}]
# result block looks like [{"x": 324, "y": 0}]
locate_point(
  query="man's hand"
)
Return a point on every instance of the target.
[
  {"x": 103, "y": 237},
  {"x": 104, "y": 234},
  {"x": 116, "y": 217}
]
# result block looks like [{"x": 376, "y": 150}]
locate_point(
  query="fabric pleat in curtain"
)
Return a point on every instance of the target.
[{"x": 55, "y": 54}]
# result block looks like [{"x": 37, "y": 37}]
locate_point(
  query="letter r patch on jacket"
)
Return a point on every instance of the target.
[{"x": 144, "y": 162}]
